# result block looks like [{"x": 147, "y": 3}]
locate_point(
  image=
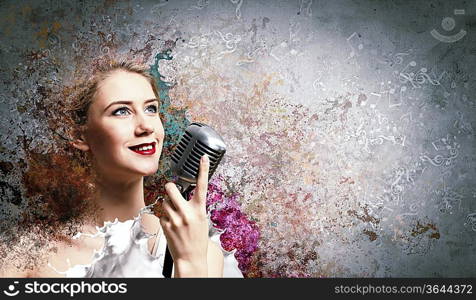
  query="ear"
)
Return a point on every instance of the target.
[{"x": 79, "y": 141}]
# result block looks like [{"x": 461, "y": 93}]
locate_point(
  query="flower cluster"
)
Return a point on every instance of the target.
[{"x": 240, "y": 233}]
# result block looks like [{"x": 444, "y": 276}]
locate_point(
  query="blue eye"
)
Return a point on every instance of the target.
[
  {"x": 122, "y": 109},
  {"x": 154, "y": 107}
]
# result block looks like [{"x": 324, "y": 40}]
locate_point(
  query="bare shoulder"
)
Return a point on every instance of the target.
[
  {"x": 75, "y": 252},
  {"x": 150, "y": 223},
  {"x": 37, "y": 267},
  {"x": 11, "y": 271},
  {"x": 65, "y": 254}
]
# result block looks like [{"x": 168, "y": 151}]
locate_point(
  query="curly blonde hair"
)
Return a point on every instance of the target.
[
  {"x": 87, "y": 90},
  {"x": 61, "y": 183}
]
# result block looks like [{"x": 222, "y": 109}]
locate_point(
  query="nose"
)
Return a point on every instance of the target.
[{"x": 144, "y": 126}]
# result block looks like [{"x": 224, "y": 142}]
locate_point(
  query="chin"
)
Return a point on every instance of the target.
[
  {"x": 147, "y": 171},
  {"x": 151, "y": 173}
]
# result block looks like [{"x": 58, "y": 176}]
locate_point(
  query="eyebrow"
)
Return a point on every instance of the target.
[{"x": 129, "y": 102}]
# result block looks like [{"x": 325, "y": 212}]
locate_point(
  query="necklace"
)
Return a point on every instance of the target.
[{"x": 158, "y": 237}]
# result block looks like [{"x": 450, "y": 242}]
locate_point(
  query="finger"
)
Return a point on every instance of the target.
[
  {"x": 169, "y": 211},
  {"x": 163, "y": 215},
  {"x": 202, "y": 181},
  {"x": 165, "y": 224},
  {"x": 175, "y": 197}
]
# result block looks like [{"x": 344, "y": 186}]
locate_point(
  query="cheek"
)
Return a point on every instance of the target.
[
  {"x": 106, "y": 138},
  {"x": 161, "y": 130}
]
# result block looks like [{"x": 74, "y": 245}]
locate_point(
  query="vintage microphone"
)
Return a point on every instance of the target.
[{"x": 199, "y": 139}]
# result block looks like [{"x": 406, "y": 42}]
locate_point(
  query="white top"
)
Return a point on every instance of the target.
[{"x": 125, "y": 252}]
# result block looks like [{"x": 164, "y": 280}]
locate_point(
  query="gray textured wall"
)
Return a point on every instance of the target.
[{"x": 350, "y": 123}]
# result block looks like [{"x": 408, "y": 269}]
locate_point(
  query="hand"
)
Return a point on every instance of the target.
[{"x": 185, "y": 226}]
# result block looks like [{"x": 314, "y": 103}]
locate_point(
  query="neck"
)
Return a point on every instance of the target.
[{"x": 119, "y": 199}]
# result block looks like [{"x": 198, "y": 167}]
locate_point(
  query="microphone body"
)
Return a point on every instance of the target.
[{"x": 199, "y": 139}]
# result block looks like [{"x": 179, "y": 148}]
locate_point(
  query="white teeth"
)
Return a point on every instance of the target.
[{"x": 145, "y": 148}]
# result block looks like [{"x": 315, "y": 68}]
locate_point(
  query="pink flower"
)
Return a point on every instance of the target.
[{"x": 240, "y": 233}]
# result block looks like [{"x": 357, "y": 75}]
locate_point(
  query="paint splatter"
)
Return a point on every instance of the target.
[{"x": 347, "y": 142}]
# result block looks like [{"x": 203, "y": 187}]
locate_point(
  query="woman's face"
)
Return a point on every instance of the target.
[{"x": 124, "y": 132}]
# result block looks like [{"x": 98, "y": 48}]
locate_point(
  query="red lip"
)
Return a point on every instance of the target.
[{"x": 144, "y": 152}]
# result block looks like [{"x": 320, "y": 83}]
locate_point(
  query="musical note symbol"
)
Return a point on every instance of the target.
[
  {"x": 308, "y": 8},
  {"x": 406, "y": 120},
  {"x": 422, "y": 76},
  {"x": 231, "y": 43},
  {"x": 238, "y": 7},
  {"x": 398, "y": 58},
  {"x": 397, "y": 101},
  {"x": 408, "y": 77},
  {"x": 360, "y": 46},
  {"x": 410, "y": 64},
  {"x": 471, "y": 219}
]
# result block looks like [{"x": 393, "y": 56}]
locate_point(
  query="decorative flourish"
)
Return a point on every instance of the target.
[
  {"x": 419, "y": 78},
  {"x": 231, "y": 43},
  {"x": 471, "y": 219},
  {"x": 440, "y": 160},
  {"x": 238, "y": 7}
]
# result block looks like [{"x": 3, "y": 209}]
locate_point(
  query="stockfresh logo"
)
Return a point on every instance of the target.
[{"x": 11, "y": 290}]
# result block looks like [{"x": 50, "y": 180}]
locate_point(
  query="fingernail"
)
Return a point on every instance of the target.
[{"x": 204, "y": 158}]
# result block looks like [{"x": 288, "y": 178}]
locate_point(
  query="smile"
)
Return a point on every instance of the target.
[{"x": 144, "y": 149}]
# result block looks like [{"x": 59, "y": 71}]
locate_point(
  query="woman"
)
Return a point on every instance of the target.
[{"x": 120, "y": 131}]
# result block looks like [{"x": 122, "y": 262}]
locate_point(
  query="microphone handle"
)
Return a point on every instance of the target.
[{"x": 168, "y": 260}]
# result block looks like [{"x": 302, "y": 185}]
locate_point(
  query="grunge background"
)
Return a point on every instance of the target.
[{"x": 349, "y": 124}]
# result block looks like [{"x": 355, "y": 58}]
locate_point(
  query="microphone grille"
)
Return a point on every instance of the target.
[
  {"x": 198, "y": 140},
  {"x": 181, "y": 147}
]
